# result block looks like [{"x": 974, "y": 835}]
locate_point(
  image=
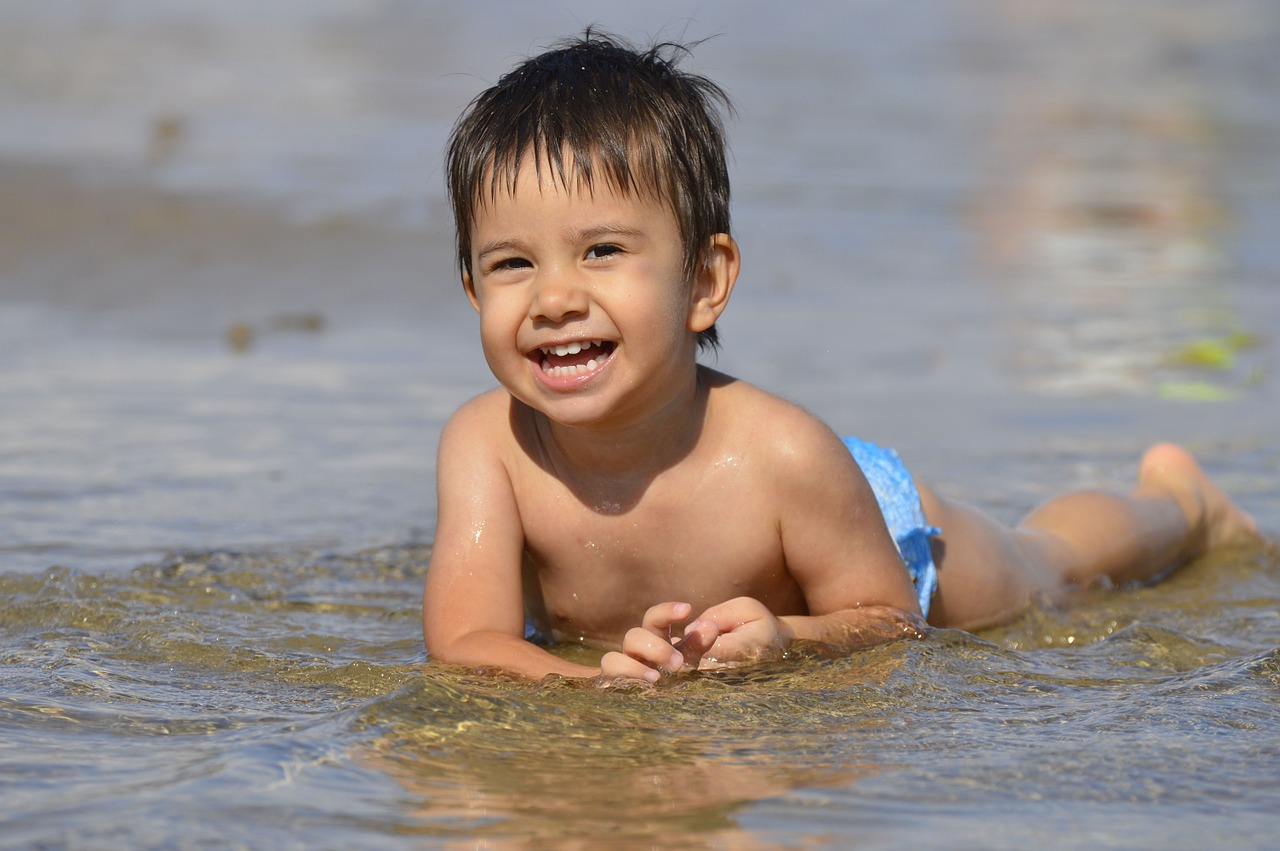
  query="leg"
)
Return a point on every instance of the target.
[{"x": 987, "y": 573}]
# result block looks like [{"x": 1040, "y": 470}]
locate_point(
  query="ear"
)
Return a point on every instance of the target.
[
  {"x": 713, "y": 282},
  {"x": 470, "y": 287}
]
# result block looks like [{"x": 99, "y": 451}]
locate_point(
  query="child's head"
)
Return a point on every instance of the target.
[{"x": 597, "y": 109}]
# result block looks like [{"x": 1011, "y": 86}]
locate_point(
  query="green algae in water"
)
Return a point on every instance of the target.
[{"x": 1214, "y": 353}]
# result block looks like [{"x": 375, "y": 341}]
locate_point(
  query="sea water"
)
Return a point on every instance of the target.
[{"x": 1017, "y": 241}]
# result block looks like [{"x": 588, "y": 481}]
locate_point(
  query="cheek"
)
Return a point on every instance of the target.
[
  {"x": 667, "y": 293},
  {"x": 497, "y": 333},
  {"x": 500, "y": 353},
  {"x": 678, "y": 306}
]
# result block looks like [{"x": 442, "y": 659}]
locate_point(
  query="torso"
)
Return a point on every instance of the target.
[{"x": 701, "y": 531}]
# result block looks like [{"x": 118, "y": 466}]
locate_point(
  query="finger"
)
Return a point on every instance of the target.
[
  {"x": 653, "y": 650},
  {"x": 732, "y": 647},
  {"x": 731, "y": 614},
  {"x": 660, "y": 618},
  {"x": 615, "y": 666},
  {"x": 751, "y": 642},
  {"x": 698, "y": 638}
]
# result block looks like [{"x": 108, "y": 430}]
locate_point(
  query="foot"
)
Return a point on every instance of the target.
[{"x": 1215, "y": 519}]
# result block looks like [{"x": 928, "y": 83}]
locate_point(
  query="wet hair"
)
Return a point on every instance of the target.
[{"x": 596, "y": 108}]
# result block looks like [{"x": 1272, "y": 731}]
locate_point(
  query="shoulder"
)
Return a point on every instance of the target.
[
  {"x": 476, "y": 441},
  {"x": 481, "y": 418},
  {"x": 493, "y": 405},
  {"x": 785, "y": 439}
]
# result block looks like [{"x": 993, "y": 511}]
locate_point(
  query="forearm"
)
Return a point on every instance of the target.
[
  {"x": 507, "y": 652},
  {"x": 855, "y": 629}
]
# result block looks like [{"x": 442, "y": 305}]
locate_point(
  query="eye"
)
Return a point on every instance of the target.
[
  {"x": 510, "y": 263},
  {"x": 603, "y": 251}
]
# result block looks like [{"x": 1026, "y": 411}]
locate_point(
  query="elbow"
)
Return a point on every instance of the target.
[
  {"x": 441, "y": 643},
  {"x": 444, "y": 648}
]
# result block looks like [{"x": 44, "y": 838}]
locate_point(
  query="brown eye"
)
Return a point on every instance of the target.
[
  {"x": 600, "y": 252},
  {"x": 512, "y": 263}
]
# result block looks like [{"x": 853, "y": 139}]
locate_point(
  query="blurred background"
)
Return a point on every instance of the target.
[{"x": 1017, "y": 240}]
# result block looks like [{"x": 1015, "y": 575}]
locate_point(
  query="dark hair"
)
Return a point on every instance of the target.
[{"x": 625, "y": 113}]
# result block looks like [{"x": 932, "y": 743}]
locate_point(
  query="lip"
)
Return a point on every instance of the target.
[{"x": 579, "y": 372}]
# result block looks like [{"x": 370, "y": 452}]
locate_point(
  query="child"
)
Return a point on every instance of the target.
[{"x": 619, "y": 493}]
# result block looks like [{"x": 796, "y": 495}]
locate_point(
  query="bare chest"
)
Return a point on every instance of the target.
[{"x": 595, "y": 569}]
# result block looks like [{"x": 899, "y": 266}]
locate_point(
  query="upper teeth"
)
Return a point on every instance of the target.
[{"x": 569, "y": 348}]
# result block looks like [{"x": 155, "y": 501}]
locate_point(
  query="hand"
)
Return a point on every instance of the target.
[
  {"x": 648, "y": 650},
  {"x": 747, "y": 632}
]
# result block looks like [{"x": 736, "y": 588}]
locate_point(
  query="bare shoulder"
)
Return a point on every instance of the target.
[
  {"x": 783, "y": 436},
  {"x": 475, "y": 452},
  {"x": 490, "y": 407},
  {"x": 483, "y": 420}
]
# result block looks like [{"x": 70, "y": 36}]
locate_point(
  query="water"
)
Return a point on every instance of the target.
[{"x": 1018, "y": 241}]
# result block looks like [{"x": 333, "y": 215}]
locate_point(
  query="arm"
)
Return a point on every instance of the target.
[
  {"x": 835, "y": 546},
  {"x": 748, "y": 631},
  {"x": 473, "y": 601},
  {"x": 856, "y": 629},
  {"x": 744, "y": 630},
  {"x": 838, "y": 548}
]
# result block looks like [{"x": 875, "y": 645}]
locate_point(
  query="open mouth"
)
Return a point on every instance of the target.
[{"x": 580, "y": 357}]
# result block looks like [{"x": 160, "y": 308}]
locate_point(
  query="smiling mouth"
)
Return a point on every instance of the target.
[{"x": 577, "y": 358}]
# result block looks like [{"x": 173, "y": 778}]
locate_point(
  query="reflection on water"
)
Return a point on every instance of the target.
[
  {"x": 1111, "y": 225},
  {"x": 568, "y": 760}
]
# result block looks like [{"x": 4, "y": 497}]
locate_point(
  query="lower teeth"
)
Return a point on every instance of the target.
[{"x": 564, "y": 371}]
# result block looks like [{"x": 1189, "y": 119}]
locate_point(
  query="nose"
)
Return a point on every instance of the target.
[{"x": 559, "y": 294}]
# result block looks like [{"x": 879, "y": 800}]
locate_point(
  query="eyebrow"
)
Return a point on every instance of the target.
[
  {"x": 601, "y": 231},
  {"x": 501, "y": 245}
]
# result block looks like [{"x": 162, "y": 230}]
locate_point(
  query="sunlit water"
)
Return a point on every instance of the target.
[{"x": 1017, "y": 240}]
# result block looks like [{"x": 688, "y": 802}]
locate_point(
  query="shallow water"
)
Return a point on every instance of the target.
[
  {"x": 1019, "y": 241},
  {"x": 267, "y": 700}
]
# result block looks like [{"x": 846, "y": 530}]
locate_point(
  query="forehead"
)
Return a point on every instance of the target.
[{"x": 537, "y": 181}]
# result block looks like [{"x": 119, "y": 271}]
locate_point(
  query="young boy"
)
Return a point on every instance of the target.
[{"x": 619, "y": 493}]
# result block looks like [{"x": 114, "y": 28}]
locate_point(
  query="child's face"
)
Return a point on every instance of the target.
[{"x": 585, "y": 305}]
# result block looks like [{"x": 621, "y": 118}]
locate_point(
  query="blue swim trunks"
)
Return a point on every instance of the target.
[{"x": 900, "y": 503}]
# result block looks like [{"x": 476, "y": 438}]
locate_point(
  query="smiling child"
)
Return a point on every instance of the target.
[{"x": 618, "y": 493}]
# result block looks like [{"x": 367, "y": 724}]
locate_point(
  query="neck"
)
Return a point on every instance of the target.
[{"x": 627, "y": 456}]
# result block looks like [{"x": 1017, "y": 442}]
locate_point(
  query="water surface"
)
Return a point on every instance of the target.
[{"x": 1019, "y": 241}]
